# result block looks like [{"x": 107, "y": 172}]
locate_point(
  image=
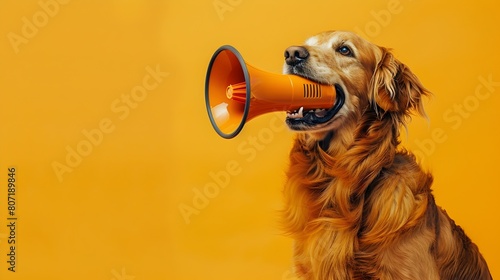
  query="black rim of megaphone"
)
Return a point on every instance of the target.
[{"x": 248, "y": 97}]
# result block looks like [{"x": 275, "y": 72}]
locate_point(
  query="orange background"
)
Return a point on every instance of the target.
[{"x": 116, "y": 214}]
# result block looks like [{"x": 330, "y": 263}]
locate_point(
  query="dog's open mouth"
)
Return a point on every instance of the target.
[{"x": 299, "y": 119}]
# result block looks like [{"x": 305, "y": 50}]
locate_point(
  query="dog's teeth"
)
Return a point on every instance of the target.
[
  {"x": 301, "y": 112},
  {"x": 296, "y": 114}
]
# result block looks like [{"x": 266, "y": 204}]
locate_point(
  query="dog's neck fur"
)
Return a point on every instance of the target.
[{"x": 334, "y": 174}]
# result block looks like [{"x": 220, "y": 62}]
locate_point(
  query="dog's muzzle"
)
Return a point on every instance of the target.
[{"x": 296, "y": 58}]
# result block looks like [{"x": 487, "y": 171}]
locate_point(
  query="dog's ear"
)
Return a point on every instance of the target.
[{"x": 395, "y": 88}]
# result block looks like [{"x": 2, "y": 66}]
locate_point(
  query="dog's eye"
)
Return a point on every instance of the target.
[{"x": 344, "y": 50}]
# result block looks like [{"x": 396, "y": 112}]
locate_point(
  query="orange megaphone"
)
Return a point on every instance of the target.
[{"x": 236, "y": 92}]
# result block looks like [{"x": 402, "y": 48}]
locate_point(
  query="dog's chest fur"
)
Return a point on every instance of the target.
[
  {"x": 385, "y": 225},
  {"x": 349, "y": 235}
]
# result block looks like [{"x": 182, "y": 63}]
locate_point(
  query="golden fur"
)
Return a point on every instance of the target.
[{"x": 357, "y": 204}]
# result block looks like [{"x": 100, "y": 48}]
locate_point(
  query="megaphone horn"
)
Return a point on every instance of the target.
[{"x": 236, "y": 92}]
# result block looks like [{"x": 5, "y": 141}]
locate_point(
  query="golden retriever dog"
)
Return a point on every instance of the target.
[{"x": 358, "y": 205}]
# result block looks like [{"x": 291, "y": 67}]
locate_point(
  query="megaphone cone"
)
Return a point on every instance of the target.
[{"x": 236, "y": 92}]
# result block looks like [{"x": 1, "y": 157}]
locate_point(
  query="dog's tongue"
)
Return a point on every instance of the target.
[{"x": 320, "y": 113}]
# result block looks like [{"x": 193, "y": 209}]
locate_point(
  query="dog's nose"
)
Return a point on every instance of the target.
[{"x": 295, "y": 54}]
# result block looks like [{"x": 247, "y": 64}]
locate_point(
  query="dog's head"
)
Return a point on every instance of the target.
[{"x": 369, "y": 76}]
